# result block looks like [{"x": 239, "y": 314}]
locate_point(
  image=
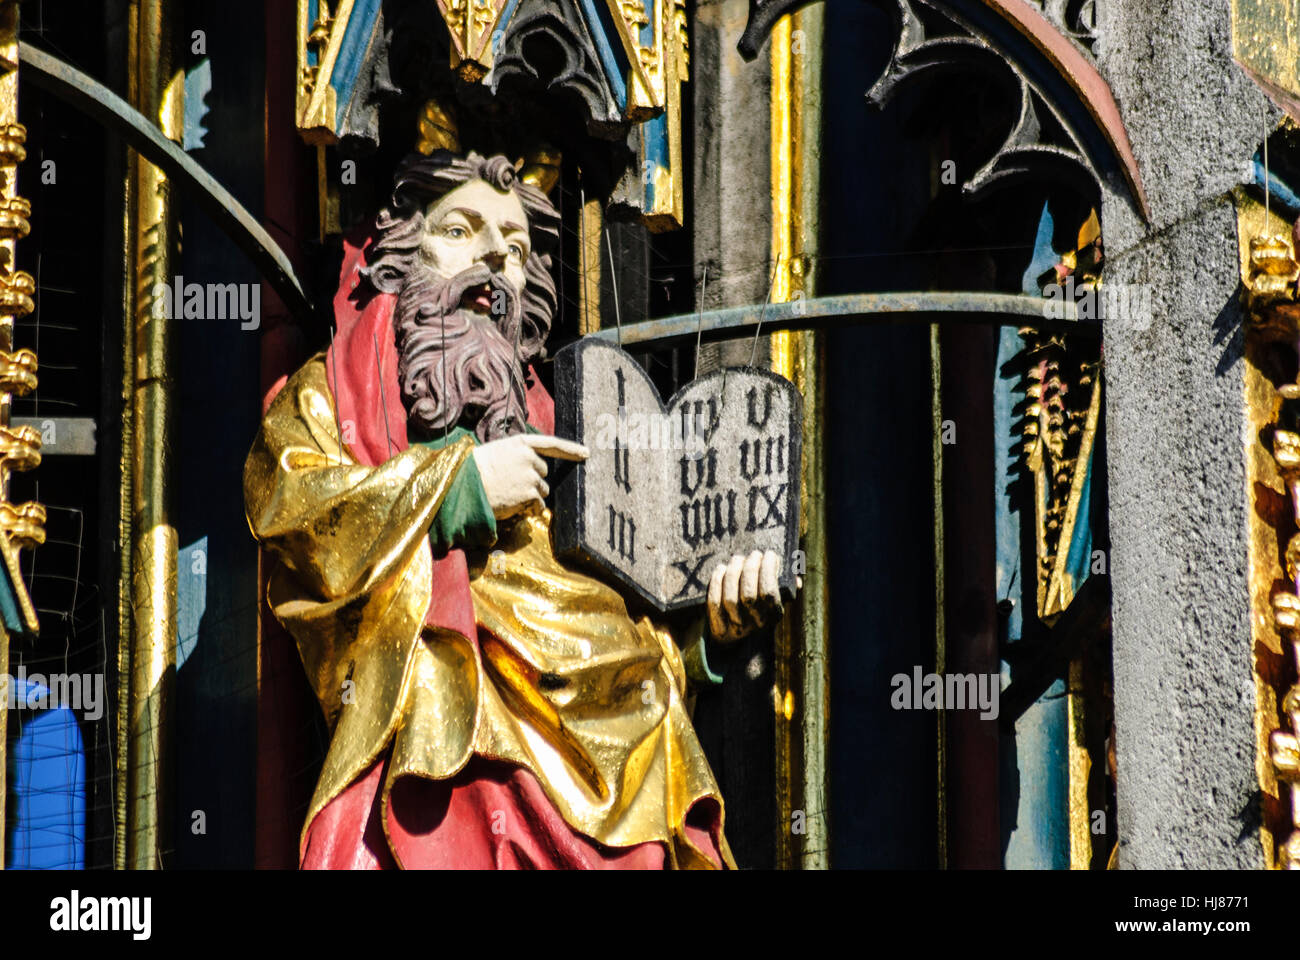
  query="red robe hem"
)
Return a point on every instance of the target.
[{"x": 493, "y": 815}]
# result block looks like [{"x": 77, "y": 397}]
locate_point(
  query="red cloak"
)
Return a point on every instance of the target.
[{"x": 453, "y": 823}]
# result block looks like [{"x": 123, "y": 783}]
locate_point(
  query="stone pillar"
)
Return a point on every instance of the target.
[
  {"x": 733, "y": 218},
  {"x": 732, "y": 234},
  {"x": 1184, "y": 694}
]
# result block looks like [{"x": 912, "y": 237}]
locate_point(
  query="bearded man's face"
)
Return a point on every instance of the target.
[
  {"x": 477, "y": 223},
  {"x": 459, "y": 315}
]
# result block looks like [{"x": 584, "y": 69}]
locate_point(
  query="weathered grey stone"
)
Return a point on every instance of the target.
[
  {"x": 1184, "y": 696},
  {"x": 671, "y": 490},
  {"x": 733, "y": 218},
  {"x": 1191, "y": 113}
]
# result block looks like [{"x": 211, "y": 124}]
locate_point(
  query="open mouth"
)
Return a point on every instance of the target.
[{"x": 477, "y": 298}]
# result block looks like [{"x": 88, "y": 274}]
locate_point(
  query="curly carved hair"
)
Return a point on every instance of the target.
[
  {"x": 421, "y": 181},
  {"x": 456, "y": 367}
]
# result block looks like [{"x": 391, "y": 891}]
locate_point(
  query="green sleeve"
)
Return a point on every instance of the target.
[
  {"x": 465, "y": 517},
  {"x": 700, "y": 671}
]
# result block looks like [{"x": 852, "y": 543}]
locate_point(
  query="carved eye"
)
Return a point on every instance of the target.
[
  {"x": 455, "y": 232},
  {"x": 516, "y": 251}
]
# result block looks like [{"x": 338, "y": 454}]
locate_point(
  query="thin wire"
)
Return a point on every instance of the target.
[
  {"x": 699, "y": 330},
  {"x": 613, "y": 282},
  {"x": 382, "y": 398},
  {"x": 1267, "y": 187},
  {"x": 584, "y": 298},
  {"x": 559, "y": 253},
  {"x": 338, "y": 424},
  {"x": 36, "y": 395},
  {"x": 516, "y": 373},
  {"x": 753, "y": 351},
  {"x": 442, "y": 365}
]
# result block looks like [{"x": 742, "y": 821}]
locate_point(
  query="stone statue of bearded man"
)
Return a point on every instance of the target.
[{"x": 489, "y": 706}]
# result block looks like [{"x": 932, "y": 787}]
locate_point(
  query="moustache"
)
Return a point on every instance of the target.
[
  {"x": 459, "y": 353},
  {"x": 478, "y": 290}
]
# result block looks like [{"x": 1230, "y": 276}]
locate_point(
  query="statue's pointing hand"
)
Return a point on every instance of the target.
[
  {"x": 513, "y": 472},
  {"x": 745, "y": 594}
]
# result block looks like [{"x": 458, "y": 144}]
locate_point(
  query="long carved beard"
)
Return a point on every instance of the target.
[{"x": 458, "y": 367}]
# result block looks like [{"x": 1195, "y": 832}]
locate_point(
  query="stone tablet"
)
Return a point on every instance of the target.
[{"x": 670, "y": 491}]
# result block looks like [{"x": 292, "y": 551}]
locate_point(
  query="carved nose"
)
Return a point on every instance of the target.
[{"x": 493, "y": 251}]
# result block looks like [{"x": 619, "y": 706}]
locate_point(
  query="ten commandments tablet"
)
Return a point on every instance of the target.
[{"x": 672, "y": 490}]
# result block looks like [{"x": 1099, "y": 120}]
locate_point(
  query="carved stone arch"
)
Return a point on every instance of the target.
[
  {"x": 1028, "y": 150},
  {"x": 1045, "y": 48},
  {"x": 556, "y": 26}
]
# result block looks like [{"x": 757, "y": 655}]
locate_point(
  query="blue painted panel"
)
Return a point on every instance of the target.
[
  {"x": 1045, "y": 256},
  {"x": 1039, "y": 837},
  {"x": 313, "y": 10},
  {"x": 1078, "y": 562},
  {"x": 47, "y": 775},
  {"x": 352, "y": 53},
  {"x": 1034, "y": 774},
  {"x": 1278, "y": 188},
  {"x": 502, "y": 23},
  {"x": 191, "y": 597},
  {"x": 604, "y": 35},
  {"x": 198, "y": 84},
  {"x": 654, "y": 137},
  {"x": 647, "y": 32}
]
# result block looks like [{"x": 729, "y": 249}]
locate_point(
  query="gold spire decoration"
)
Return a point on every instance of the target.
[
  {"x": 1061, "y": 412},
  {"x": 1272, "y": 457},
  {"x": 21, "y": 525},
  {"x": 471, "y": 24}
]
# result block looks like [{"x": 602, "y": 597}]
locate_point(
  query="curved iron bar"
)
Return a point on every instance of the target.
[
  {"x": 1004, "y": 309},
  {"x": 107, "y": 108}
]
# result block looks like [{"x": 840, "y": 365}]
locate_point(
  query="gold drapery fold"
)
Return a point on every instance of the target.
[
  {"x": 562, "y": 681},
  {"x": 355, "y": 571}
]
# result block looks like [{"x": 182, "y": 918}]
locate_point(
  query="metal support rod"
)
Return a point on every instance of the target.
[
  {"x": 141, "y": 133},
  {"x": 811, "y": 313}
]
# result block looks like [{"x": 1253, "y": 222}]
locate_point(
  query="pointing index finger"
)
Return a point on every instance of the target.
[{"x": 549, "y": 446}]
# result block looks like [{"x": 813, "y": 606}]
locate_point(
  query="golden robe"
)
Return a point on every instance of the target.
[{"x": 560, "y": 680}]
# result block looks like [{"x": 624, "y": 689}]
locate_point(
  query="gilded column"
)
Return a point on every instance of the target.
[
  {"x": 590, "y": 230},
  {"x": 1266, "y": 43},
  {"x": 802, "y": 694},
  {"x": 21, "y": 525},
  {"x": 1269, "y": 272},
  {"x": 153, "y": 539}
]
